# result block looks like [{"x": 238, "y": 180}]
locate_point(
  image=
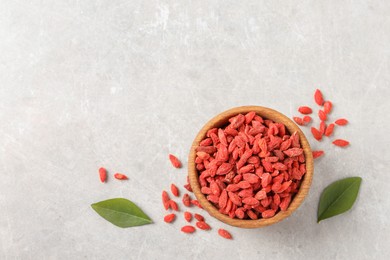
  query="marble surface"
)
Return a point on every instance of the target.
[{"x": 123, "y": 83}]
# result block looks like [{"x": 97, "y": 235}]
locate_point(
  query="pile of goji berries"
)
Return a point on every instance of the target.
[
  {"x": 187, "y": 201},
  {"x": 323, "y": 129},
  {"x": 251, "y": 168}
]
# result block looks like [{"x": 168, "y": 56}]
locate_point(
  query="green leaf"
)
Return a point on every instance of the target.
[
  {"x": 338, "y": 197},
  {"x": 121, "y": 212}
]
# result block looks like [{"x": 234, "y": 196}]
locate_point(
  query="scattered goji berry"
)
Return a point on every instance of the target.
[
  {"x": 317, "y": 154},
  {"x": 188, "y": 229},
  {"x": 120, "y": 176},
  {"x": 174, "y": 190},
  {"x": 169, "y": 218},
  {"x": 225, "y": 234},
  {"x": 341, "y": 121},
  {"x": 305, "y": 110},
  {"x": 340, "y": 142},
  {"x": 103, "y": 174},
  {"x": 175, "y": 162},
  {"x": 318, "y": 98}
]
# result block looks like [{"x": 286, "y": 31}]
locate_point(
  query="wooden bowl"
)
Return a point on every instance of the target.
[{"x": 221, "y": 120}]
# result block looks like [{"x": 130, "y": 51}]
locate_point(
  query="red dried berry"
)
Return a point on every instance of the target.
[
  {"x": 251, "y": 201},
  {"x": 188, "y": 229},
  {"x": 206, "y": 142},
  {"x": 306, "y": 119},
  {"x": 235, "y": 198},
  {"x": 251, "y": 214},
  {"x": 165, "y": 199},
  {"x": 203, "y": 225},
  {"x": 268, "y": 213},
  {"x": 186, "y": 200},
  {"x": 188, "y": 187},
  {"x": 222, "y": 137},
  {"x": 298, "y": 120},
  {"x": 103, "y": 174},
  {"x": 340, "y": 142},
  {"x": 341, "y": 121},
  {"x": 169, "y": 218},
  {"x": 120, "y": 176},
  {"x": 329, "y": 130},
  {"x": 223, "y": 199},
  {"x": 196, "y": 203},
  {"x": 317, "y": 154},
  {"x": 261, "y": 195},
  {"x": 285, "y": 203},
  {"x": 316, "y": 134},
  {"x": 173, "y": 205},
  {"x": 198, "y": 217},
  {"x": 174, "y": 190},
  {"x": 187, "y": 216},
  {"x": 322, "y": 127},
  {"x": 175, "y": 162},
  {"x": 322, "y": 115},
  {"x": 305, "y": 110},
  {"x": 225, "y": 234},
  {"x": 318, "y": 98},
  {"x": 293, "y": 152},
  {"x": 327, "y": 107}
]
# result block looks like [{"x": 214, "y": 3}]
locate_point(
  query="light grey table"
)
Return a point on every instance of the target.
[{"x": 121, "y": 84}]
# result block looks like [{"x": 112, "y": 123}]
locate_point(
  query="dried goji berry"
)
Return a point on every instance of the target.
[
  {"x": 120, "y": 176},
  {"x": 322, "y": 127},
  {"x": 249, "y": 117},
  {"x": 235, "y": 198},
  {"x": 317, "y": 154},
  {"x": 222, "y": 137},
  {"x": 188, "y": 229},
  {"x": 316, "y": 134},
  {"x": 165, "y": 199},
  {"x": 329, "y": 130},
  {"x": 203, "y": 225},
  {"x": 327, "y": 107},
  {"x": 187, "y": 216},
  {"x": 169, "y": 218},
  {"x": 261, "y": 195},
  {"x": 268, "y": 213},
  {"x": 186, "y": 200},
  {"x": 225, "y": 234},
  {"x": 173, "y": 205},
  {"x": 305, "y": 110},
  {"x": 175, "y": 162},
  {"x": 188, "y": 187},
  {"x": 341, "y": 121},
  {"x": 196, "y": 203},
  {"x": 340, "y": 142},
  {"x": 174, "y": 190},
  {"x": 293, "y": 152},
  {"x": 298, "y": 120},
  {"x": 285, "y": 203},
  {"x": 198, "y": 217},
  {"x": 240, "y": 213},
  {"x": 251, "y": 214},
  {"x": 102, "y": 174},
  {"x": 250, "y": 201},
  {"x": 322, "y": 115},
  {"x": 306, "y": 119},
  {"x": 318, "y": 98}
]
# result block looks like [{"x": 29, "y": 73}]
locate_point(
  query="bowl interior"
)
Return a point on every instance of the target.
[{"x": 222, "y": 120}]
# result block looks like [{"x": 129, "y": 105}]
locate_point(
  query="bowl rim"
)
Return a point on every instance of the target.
[{"x": 267, "y": 113}]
